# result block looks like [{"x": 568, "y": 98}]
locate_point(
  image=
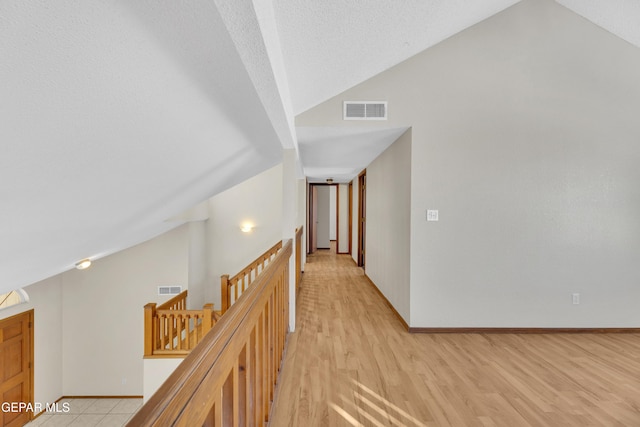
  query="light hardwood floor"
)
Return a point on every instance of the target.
[{"x": 350, "y": 363}]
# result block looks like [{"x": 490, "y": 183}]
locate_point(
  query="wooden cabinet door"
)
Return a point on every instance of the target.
[{"x": 15, "y": 367}]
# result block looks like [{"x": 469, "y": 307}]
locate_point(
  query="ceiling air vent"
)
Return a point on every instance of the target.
[
  {"x": 169, "y": 290},
  {"x": 365, "y": 110}
]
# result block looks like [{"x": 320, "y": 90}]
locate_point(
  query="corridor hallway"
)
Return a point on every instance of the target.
[{"x": 351, "y": 363}]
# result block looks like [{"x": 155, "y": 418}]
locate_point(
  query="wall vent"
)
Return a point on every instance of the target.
[
  {"x": 169, "y": 290},
  {"x": 365, "y": 110}
]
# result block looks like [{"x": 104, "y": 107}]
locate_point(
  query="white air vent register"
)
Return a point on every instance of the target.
[
  {"x": 169, "y": 290},
  {"x": 365, "y": 110}
]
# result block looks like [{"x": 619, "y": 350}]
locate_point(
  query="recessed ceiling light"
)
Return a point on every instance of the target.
[{"x": 84, "y": 264}]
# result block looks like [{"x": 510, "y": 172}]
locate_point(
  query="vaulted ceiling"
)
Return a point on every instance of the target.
[{"x": 116, "y": 115}]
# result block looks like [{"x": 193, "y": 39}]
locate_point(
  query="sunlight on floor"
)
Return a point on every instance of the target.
[
  {"x": 386, "y": 403},
  {"x": 378, "y": 407},
  {"x": 345, "y": 415}
]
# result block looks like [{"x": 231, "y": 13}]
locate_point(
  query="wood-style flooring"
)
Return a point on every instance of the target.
[{"x": 351, "y": 363}]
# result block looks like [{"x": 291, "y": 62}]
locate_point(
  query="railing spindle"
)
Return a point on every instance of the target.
[
  {"x": 227, "y": 401},
  {"x": 243, "y": 280}
]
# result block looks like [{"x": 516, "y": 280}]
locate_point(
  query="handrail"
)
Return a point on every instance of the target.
[
  {"x": 172, "y": 331},
  {"x": 229, "y": 379},
  {"x": 298, "y": 257},
  {"x": 239, "y": 283},
  {"x": 179, "y": 302}
]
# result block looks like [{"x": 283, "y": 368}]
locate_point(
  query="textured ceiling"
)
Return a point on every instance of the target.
[
  {"x": 115, "y": 116},
  {"x": 330, "y": 46},
  {"x": 619, "y": 17},
  {"x": 118, "y": 114}
]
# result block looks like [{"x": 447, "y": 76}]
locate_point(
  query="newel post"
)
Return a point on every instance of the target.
[
  {"x": 149, "y": 321},
  {"x": 207, "y": 318},
  {"x": 224, "y": 293}
]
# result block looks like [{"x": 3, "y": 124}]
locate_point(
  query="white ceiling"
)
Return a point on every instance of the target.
[
  {"x": 118, "y": 114},
  {"x": 342, "y": 153},
  {"x": 330, "y": 46}
]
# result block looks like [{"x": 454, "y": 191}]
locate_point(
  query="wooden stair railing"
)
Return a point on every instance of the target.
[
  {"x": 172, "y": 330},
  {"x": 229, "y": 379},
  {"x": 232, "y": 288}
]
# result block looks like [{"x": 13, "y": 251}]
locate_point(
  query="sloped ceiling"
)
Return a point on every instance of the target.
[
  {"x": 330, "y": 46},
  {"x": 342, "y": 153},
  {"x": 116, "y": 115},
  {"x": 619, "y": 17}
]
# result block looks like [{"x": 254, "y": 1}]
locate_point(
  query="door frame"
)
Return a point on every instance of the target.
[
  {"x": 350, "y": 220},
  {"x": 311, "y": 219},
  {"x": 362, "y": 213},
  {"x": 312, "y": 202}
]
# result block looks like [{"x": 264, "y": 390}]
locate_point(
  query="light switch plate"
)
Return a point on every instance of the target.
[{"x": 432, "y": 215}]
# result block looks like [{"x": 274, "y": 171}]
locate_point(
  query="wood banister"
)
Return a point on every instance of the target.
[
  {"x": 174, "y": 330},
  {"x": 225, "y": 297},
  {"x": 149, "y": 328},
  {"x": 229, "y": 379},
  {"x": 207, "y": 318},
  {"x": 238, "y": 284},
  {"x": 179, "y": 302}
]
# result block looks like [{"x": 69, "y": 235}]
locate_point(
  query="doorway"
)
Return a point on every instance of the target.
[
  {"x": 320, "y": 219},
  {"x": 329, "y": 217},
  {"x": 16, "y": 361}
]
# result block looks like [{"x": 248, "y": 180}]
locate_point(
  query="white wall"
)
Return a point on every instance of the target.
[
  {"x": 257, "y": 200},
  {"x": 156, "y": 372},
  {"x": 354, "y": 219},
  {"x": 301, "y": 219},
  {"x": 332, "y": 212},
  {"x": 387, "y": 222},
  {"x": 102, "y": 320},
  {"x": 343, "y": 218},
  {"x": 324, "y": 210},
  {"x": 525, "y": 140},
  {"x": 45, "y": 298},
  {"x": 88, "y": 325}
]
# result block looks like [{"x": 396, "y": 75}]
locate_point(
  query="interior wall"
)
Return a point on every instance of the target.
[
  {"x": 302, "y": 217},
  {"x": 45, "y": 298},
  {"x": 525, "y": 141},
  {"x": 324, "y": 214},
  {"x": 388, "y": 218},
  {"x": 333, "y": 212},
  {"x": 102, "y": 314},
  {"x": 156, "y": 372},
  {"x": 343, "y": 218},
  {"x": 258, "y": 201}
]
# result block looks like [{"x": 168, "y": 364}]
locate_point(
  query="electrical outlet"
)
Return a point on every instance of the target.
[
  {"x": 576, "y": 299},
  {"x": 432, "y": 215},
  {"x": 124, "y": 381}
]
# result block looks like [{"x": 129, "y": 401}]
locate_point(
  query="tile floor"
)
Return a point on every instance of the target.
[{"x": 105, "y": 412}]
